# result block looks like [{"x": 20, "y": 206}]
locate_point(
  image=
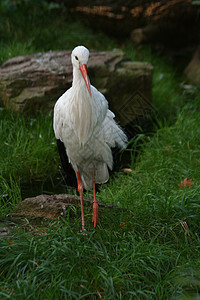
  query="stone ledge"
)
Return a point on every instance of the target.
[{"x": 33, "y": 83}]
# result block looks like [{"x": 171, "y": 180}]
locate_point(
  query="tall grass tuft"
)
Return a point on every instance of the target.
[
  {"x": 28, "y": 147},
  {"x": 10, "y": 194}
]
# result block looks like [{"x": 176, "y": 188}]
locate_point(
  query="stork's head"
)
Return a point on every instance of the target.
[{"x": 80, "y": 56}]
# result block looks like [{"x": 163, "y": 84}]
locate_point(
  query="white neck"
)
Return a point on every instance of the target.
[
  {"x": 78, "y": 80},
  {"x": 82, "y": 110}
]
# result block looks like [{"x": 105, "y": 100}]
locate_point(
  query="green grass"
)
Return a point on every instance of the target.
[
  {"x": 171, "y": 155},
  {"x": 141, "y": 251},
  {"x": 28, "y": 153},
  {"x": 27, "y": 146},
  {"x": 10, "y": 194},
  {"x": 147, "y": 247},
  {"x": 121, "y": 264},
  {"x": 27, "y": 27}
]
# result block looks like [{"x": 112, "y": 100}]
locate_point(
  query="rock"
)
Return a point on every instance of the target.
[
  {"x": 192, "y": 71},
  {"x": 130, "y": 90},
  {"x": 53, "y": 206},
  {"x": 34, "y": 82}
]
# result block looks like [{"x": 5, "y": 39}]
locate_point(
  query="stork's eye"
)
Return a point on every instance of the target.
[{"x": 76, "y": 57}]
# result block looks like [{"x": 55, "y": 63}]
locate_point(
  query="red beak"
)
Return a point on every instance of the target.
[{"x": 83, "y": 70}]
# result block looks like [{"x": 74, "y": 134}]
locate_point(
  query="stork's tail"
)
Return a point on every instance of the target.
[
  {"x": 100, "y": 171},
  {"x": 121, "y": 139}
]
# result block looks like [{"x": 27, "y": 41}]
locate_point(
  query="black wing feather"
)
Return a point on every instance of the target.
[{"x": 69, "y": 174}]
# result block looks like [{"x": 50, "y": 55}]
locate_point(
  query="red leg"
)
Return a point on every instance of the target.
[
  {"x": 95, "y": 204},
  {"x": 80, "y": 189}
]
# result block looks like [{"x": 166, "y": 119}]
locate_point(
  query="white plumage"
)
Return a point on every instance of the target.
[{"x": 83, "y": 122}]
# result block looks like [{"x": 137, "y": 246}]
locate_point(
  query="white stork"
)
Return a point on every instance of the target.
[{"x": 86, "y": 127}]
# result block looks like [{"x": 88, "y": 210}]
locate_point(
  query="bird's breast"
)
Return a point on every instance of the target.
[{"x": 82, "y": 117}]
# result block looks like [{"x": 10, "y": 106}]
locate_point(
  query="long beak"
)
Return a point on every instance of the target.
[{"x": 83, "y": 70}]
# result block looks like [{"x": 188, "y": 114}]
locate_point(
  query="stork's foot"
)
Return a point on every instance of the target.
[{"x": 95, "y": 213}]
